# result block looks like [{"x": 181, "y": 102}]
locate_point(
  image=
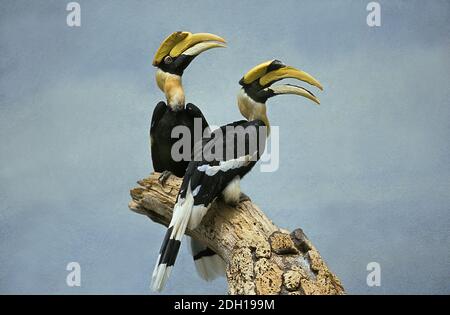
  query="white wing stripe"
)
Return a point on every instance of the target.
[{"x": 225, "y": 166}]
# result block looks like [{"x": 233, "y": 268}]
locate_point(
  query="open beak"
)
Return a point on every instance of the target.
[
  {"x": 267, "y": 73},
  {"x": 187, "y": 45}
]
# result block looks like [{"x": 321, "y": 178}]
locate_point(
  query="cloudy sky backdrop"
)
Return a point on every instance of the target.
[{"x": 366, "y": 174}]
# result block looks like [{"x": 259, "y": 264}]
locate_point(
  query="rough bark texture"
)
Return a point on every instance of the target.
[{"x": 261, "y": 257}]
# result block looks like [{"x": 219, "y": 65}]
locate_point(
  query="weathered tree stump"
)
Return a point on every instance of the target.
[{"x": 261, "y": 257}]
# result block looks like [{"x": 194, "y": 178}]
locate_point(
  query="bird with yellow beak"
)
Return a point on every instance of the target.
[
  {"x": 211, "y": 175},
  {"x": 172, "y": 58}
]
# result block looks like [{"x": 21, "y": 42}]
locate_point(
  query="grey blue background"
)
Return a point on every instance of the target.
[{"x": 366, "y": 174}]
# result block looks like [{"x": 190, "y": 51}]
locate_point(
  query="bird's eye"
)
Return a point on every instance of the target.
[{"x": 168, "y": 60}]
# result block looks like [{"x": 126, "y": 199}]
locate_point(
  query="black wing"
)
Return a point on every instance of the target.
[
  {"x": 158, "y": 112},
  {"x": 195, "y": 112},
  {"x": 209, "y": 174}
]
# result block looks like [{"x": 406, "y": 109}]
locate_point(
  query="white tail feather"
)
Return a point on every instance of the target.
[
  {"x": 208, "y": 267},
  {"x": 180, "y": 218}
]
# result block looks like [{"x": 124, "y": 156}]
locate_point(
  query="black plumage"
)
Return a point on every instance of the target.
[
  {"x": 241, "y": 135},
  {"x": 208, "y": 175},
  {"x": 164, "y": 120}
]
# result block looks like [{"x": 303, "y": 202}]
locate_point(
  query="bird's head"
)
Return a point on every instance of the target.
[
  {"x": 257, "y": 88},
  {"x": 174, "y": 55}
]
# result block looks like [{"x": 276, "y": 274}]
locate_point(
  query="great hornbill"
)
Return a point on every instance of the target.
[
  {"x": 211, "y": 175},
  {"x": 172, "y": 57}
]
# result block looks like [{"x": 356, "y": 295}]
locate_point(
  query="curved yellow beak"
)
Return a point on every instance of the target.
[{"x": 289, "y": 72}]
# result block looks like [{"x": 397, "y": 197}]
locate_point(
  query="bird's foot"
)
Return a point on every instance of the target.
[
  {"x": 243, "y": 197},
  {"x": 164, "y": 177}
]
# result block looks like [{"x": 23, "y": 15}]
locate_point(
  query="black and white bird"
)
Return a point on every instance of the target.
[
  {"x": 224, "y": 159},
  {"x": 172, "y": 57}
]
